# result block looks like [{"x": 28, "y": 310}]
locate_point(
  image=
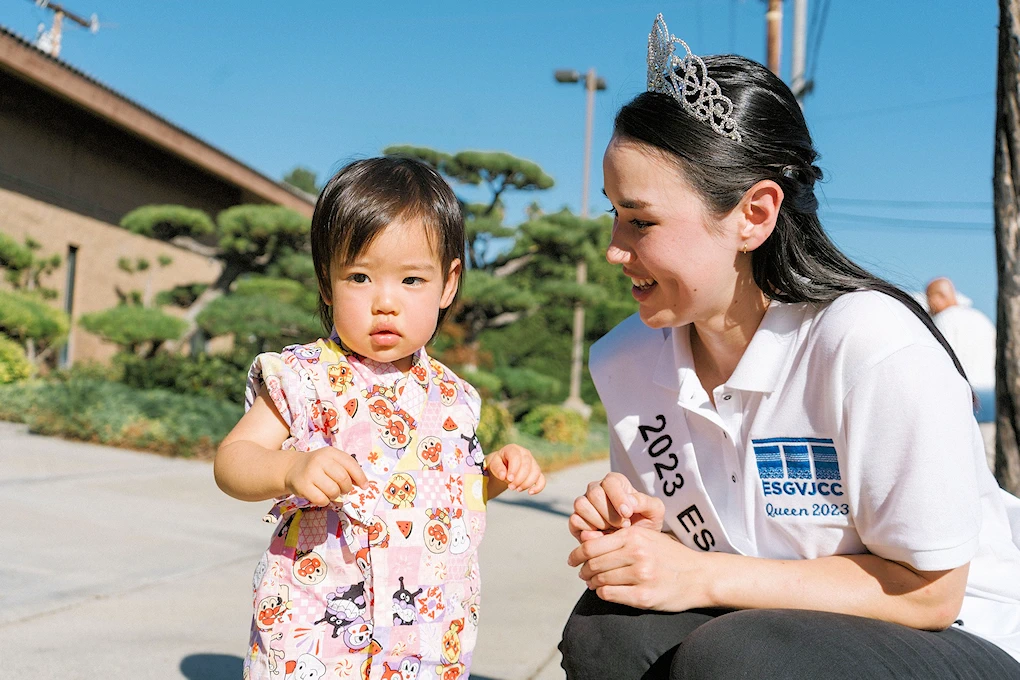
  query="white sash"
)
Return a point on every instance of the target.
[{"x": 645, "y": 414}]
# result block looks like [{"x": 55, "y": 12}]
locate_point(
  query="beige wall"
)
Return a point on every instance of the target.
[{"x": 100, "y": 246}]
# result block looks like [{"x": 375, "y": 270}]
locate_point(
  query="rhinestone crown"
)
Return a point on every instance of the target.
[{"x": 687, "y": 81}]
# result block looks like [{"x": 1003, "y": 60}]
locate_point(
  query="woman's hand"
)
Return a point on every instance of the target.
[
  {"x": 644, "y": 568},
  {"x": 323, "y": 475},
  {"x": 513, "y": 467},
  {"x": 613, "y": 504}
]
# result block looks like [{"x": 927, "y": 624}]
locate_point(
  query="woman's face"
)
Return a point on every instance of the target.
[{"x": 683, "y": 262}]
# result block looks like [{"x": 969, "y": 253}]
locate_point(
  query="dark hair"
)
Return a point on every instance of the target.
[
  {"x": 368, "y": 195},
  {"x": 798, "y": 262}
]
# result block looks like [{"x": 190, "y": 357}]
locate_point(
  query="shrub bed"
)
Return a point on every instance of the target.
[{"x": 111, "y": 413}]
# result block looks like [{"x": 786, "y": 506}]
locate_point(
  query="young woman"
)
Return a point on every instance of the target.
[{"x": 799, "y": 486}]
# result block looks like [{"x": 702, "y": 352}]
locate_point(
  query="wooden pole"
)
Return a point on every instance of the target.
[{"x": 1006, "y": 183}]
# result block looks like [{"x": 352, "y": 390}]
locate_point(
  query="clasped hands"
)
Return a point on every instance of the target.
[{"x": 623, "y": 554}]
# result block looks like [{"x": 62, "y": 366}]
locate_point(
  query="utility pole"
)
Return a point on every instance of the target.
[
  {"x": 592, "y": 84},
  {"x": 1006, "y": 189},
  {"x": 49, "y": 41},
  {"x": 798, "y": 51},
  {"x": 774, "y": 34}
]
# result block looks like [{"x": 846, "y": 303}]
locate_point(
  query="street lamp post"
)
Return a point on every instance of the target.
[{"x": 592, "y": 83}]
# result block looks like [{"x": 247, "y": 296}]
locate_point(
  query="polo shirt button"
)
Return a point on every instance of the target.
[
  {"x": 727, "y": 397},
  {"x": 733, "y": 478}
]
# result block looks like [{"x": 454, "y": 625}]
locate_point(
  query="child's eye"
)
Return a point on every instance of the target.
[
  {"x": 413, "y": 280},
  {"x": 358, "y": 278}
]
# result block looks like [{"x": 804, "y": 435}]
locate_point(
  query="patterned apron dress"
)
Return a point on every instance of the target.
[{"x": 384, "y": 582}]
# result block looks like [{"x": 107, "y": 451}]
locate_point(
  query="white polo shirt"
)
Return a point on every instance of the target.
[{"x": 844, "y": 429}]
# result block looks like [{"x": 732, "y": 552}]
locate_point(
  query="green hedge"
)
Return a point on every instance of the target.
[
  {"x": 25, "y": 316},
  {"x": 555, "y": 424},
  {"x": 14, "y": 365},
  {"x": 206, "y": 375},
  {"x": 496, "y": 428},
  {"x": 131, "y": 325},
  {"x": 114, "y": 414}
]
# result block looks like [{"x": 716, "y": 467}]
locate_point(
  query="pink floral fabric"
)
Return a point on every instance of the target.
[{"x": 383, "y": 583}]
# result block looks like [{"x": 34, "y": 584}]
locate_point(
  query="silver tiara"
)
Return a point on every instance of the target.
[{"x": 686, "y": 80}]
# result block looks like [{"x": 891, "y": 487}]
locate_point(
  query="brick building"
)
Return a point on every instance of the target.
[{"x": 76, "y": 156}]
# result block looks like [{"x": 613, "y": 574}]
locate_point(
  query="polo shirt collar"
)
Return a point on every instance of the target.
[{"x": 759, "y": 369}]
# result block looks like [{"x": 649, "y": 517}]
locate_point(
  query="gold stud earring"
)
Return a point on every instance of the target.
[{"x": 743, "y": 248}]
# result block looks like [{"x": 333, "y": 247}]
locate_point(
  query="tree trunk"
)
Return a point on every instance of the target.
[
  {"x": 1006, "y": 182},
  {"x": 217, "y": 289}
]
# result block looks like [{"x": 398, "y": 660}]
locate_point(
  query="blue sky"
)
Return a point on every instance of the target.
[{"x": 902, "y": 112}]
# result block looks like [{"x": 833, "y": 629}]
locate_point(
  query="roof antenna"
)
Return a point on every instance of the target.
[{"x": 49, "y": 40}]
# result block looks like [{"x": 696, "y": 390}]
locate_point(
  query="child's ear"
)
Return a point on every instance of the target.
[{"x": 452, "y": 282}]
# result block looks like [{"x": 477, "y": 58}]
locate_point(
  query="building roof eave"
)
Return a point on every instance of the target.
[{"x": 27, "y": 62}]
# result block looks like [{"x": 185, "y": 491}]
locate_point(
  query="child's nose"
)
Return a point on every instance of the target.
[{"x": 385, "y": 302}]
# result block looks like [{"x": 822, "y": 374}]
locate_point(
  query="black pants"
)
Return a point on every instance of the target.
[{"x": 604, "y": 640}]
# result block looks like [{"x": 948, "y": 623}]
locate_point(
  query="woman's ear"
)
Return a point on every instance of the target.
[
  {"x": 452, "y": 282},
  {"x": 758, "y": 212}
]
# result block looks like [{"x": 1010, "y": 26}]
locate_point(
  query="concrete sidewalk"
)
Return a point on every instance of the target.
[{"x": 117, "y": 564}]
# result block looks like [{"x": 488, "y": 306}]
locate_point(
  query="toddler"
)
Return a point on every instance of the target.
[{"x": 368, "y": 446}]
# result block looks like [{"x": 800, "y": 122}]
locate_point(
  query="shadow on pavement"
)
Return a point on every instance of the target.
[
  {"x": 534, "y": 505},
  {"x": 211, "y": 667}
]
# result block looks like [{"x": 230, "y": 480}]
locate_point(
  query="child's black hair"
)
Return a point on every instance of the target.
[{"x": 368, "y": 195}]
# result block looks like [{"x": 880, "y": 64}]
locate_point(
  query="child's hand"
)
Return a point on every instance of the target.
[
  {"x": 323, "y": 475},
  {"x": 516, "y": 468},
  {"x": 612, "y": 504}
]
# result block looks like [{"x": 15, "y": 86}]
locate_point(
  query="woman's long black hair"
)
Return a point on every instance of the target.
[{"x": 798, "y": 262}]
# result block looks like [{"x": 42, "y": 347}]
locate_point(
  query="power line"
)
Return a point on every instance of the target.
[
  {"x": 908, "y": 224},
  {"x": 817, "y": 30},
  {"x": 904, "y": 107},
  {"x": 894, "y": 203}
]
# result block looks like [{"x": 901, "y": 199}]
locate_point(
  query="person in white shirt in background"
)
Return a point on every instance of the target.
[{"x": 971, "y": 335}]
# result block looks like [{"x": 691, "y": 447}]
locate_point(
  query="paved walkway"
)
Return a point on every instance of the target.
[{"x": 116, "y": 564}]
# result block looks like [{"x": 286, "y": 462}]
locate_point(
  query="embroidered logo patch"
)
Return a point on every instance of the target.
[
  {"x": 795, "y": 468},
  {"x": 796, "y": 458}
]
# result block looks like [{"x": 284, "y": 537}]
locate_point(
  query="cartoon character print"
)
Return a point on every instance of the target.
[
  {"x": 447, "y": 391},
  {"x": 401, "y": 491},
  {"x": 409, "y": 667},
  {"x": 437, "y": 530},
  {"x": 430, "y": 453},
  {"x": 324, "y": 416},
  {"x": 404, "y": 613},
  {"x": 364, "y": 563},
  {"x": 459, "y": 538},
  {"x": 260, "y": 572},
  {"x": 344, "y": 607},
  {"x": 390, "y": 673},
  {"x": 306, "y": 667},
  {"x": 358, "y": 634},
  {"x": 341, "y": 376},
  {"x": 274, "y": 655},
  {"x": 309, "y": 568},
  {"x": 475, "y": 455},
  {"x": 273, "y": 609},
  {"x": 359, "y": 500},
  {"x": 419, "y": 372},
  {"x": 473, "y": 609},
  {"x": 452, "y": 669},
  {"x": 307, "y": 354},
  {"x": 397, "y": 425},
  {"x": 378, "y": 533}
]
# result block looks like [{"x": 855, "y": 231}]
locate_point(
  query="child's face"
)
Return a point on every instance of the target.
[{"x": 386, "y": 303}]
